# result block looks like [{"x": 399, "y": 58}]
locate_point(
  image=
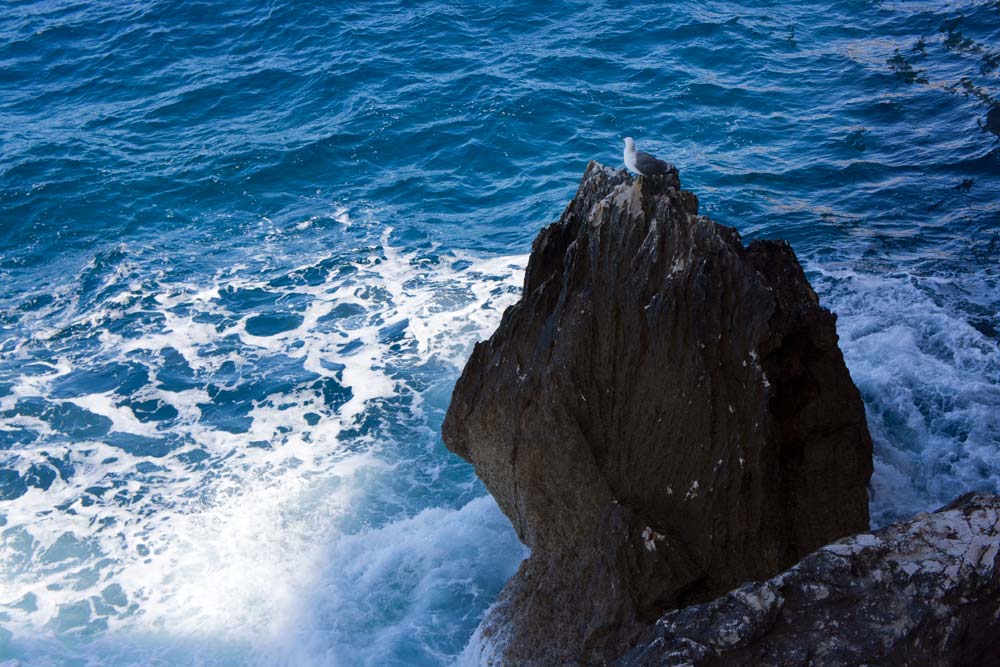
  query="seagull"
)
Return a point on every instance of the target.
[{"x": 644, "y": 163}]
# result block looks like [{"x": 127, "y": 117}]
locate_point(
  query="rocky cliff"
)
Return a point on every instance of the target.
[
  {"x": 664, "y": 415},
  {"x": 925, "y": 592}
]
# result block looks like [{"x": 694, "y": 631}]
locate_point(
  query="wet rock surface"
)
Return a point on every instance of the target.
[
  {"x": 925, "y": 592},
  {"x": 664, "y": 415}
]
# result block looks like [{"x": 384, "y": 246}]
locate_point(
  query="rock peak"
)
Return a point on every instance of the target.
[{"x": 664, "y": 415}]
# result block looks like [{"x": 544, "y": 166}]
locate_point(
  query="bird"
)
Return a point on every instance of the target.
[{"x": 643, "y": 163}]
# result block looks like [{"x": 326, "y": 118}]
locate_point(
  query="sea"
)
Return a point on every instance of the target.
[{"x": 246, "y": 248}]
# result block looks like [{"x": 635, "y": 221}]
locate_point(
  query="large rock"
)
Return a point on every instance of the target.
[
  {"x": 664, "y": 415},
  {"x": 921, "y": 593}
]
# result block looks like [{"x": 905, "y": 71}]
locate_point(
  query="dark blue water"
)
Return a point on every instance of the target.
[{"x": 244, "y": 251}]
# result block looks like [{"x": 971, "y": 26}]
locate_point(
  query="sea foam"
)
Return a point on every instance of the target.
[{"x": 173, "y": 530}]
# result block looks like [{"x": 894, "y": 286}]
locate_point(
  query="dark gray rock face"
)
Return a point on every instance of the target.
[
  {"x": 921, "y": 593},
  {"x": 664, "y": 415}
]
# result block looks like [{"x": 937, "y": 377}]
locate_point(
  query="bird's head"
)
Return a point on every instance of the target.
[{"x": 629, "y": 144}]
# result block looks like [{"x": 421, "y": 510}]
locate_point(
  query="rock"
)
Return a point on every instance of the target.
[
  {"x": 664, "y": 415},
  {"x": 922, "y": 592}
]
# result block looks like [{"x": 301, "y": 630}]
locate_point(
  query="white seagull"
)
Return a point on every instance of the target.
[{"x": 643, "y": 163}]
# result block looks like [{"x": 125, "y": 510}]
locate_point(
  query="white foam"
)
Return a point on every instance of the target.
[
  {"x": 931, "y": 383},
  {"x": 417, "y": 569},
  {"x": 217, "y": 559}
]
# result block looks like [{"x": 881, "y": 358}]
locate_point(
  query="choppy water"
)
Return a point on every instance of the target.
[{"x": 244, "y": 251}]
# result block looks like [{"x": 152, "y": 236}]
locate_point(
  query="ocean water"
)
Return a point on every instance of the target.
[{"x": 246, "y": 247}]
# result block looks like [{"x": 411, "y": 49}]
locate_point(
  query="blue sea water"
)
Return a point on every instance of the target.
[{"x": 246, "y": 247}]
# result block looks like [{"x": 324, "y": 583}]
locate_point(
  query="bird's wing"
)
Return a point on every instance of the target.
[{"x": 647, "y": 164}]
